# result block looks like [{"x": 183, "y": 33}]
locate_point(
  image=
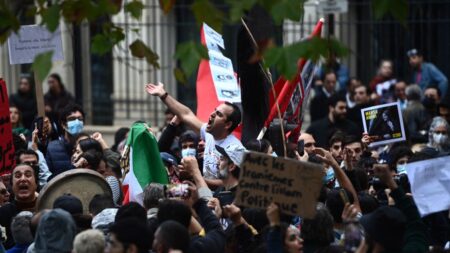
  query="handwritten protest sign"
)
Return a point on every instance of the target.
[
  {"x": 430, "y": 184},
  {"x": 32, "y": 40},
  {"x": 383, "y": 123},
  {"x": 293, "y": 185},
  {"x": 6, "y": 142}
]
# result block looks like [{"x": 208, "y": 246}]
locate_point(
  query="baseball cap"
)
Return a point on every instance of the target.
[
  {"x": 413, "y": 52},
  {"x": 386, "y": 225},
  {"x": 168, "y": 158},
  {"x": 233, "y": 152},
  {"x": 69, "y": 203}
]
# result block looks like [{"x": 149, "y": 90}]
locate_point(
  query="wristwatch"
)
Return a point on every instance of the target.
[{"x": 164, "y": 96}]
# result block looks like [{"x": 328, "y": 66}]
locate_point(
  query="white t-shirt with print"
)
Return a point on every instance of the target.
[{"x": 211, "y": 155}]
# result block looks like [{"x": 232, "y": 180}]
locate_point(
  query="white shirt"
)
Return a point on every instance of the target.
[{"x": 211, "y": 156}]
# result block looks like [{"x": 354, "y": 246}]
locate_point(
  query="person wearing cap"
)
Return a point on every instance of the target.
[
  {"x": 398, "y": 228},
  {"x": 230, "y": 160},
  {"x": 171, "y": 164},
  {"x": 426, "y": 73},
  {"x": 217, "y": 131}
]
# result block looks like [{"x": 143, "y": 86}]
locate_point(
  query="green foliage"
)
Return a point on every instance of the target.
[
  {"x": 8, "y": 21},
  {"x": 166, "y": 5},
  {"x": 104, "y": 42},
  {"x": 205, "y": 12},
  {"x": 397, "y": 8},
  {"x": 238, "y": 7},
  {"x": 134, "y": 8},
  {"x": 285, "y": 59},
  {"x": 287, "y": 9},
  {"x": 140, "y": 50},
  {"x": 51, "y": 16},
  {"x": 42, "y": 64},
  {"x": 190, "y": 54}
]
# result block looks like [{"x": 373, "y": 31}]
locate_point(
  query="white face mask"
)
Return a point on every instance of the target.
[
  {"x": 440, "y": 138},
  {"x": 188, "y": 152}
]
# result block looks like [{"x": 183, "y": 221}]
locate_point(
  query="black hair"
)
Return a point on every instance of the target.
[
  {"x": 335, "y": 204},
  {"x": 396, "y": 153},
  {"x": 236, "y": 172},
  {"x": 173, "y": 235},
  {"x": 20, "y": 152},
  {"x": 131, "y": 209},
  {"x": 119, "y": 136},
  {"x": 90, "y": 143},
  {"x": 174, "y": 210},
  {"x": 58, "y": 78},
  {"x": 188, "y": 135},
  {"x": 18, "y": 142},
  {"x": 338, "y": 136},
  {"x": 258, "y": 145},
  {"x": 67, "y": 110},
  {"x": 367, "y": 202},
  {"x": 327, "y": 72},
  {"x": 349, "y": 139},
  {"x": 234, "y": 117},
  {"x": 93, "y": 158},
  {"x": 434, "y": 86},
  {"x": 99, "y": 203},
  {"x": 131, "y": 230},
  {"x": 319, "y": 229},
  {"x": 335, "y": 98}
]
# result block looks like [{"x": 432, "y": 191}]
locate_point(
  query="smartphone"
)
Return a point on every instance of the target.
[
  {"x": 344, "y": 196},
  {"x": 301, "y": 147},
  {"x": 177, "y": 190},
  {"x": 225, "y": 198}
]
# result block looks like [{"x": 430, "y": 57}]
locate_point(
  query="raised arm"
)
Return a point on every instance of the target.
[{"x": 182, "y": 111}]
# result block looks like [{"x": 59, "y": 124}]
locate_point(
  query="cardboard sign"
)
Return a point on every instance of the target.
[
  {"x": 32, "y": 40},
  {"x": 430, "y": 184},
  {"x": 383, "y": 123},
  {"x": 293, "y": 185},
  {"x": 6, "y": 141}
]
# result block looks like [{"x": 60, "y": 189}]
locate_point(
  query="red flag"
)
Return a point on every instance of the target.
[
  {"x": 6, "y": 143},
  {"x": 292, "y": 92}
]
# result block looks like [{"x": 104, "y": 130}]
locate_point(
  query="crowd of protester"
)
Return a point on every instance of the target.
[{"x": 365, "y": 204}]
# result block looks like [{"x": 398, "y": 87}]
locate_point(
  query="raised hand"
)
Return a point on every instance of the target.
[
  {"x": 324, "y": 155},
  {"x": 155, "y": 89},
  {"x": 273, "y": 214}
]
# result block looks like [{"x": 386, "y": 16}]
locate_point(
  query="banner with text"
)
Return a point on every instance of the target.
[
  {"x": 293, "y": 185},
  {"x": 32, "y": 40}
]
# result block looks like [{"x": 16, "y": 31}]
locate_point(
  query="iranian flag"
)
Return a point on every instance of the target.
[{"x": 142, "y": 163}]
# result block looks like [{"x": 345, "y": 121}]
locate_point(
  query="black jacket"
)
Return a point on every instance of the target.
[{"x": 214, "y": 239}]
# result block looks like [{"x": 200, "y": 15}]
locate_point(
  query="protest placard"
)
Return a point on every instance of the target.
[
  {"x": 6, "y": 141},
  {"x": 293, "y": 185},
  {"x": 383, "y": 123},
  {"x": 430, "y": 184},
  {"x": 32, "y": 40}
]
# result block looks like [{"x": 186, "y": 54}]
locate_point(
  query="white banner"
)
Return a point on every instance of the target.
[
  {"x": 32, "y": 40},
  {"x": 222, "y": 72},
  {"x": 430, "y": 184}
]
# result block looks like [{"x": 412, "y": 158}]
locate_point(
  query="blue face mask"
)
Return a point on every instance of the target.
[
  {"x": 74, "y": 126},
  {"x": 401, "y": 169},
  {"x": 274, "y": 154},
  {"x": 188, "y": 152}
]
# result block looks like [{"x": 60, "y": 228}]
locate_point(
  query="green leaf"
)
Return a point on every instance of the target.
[
  {"x": 287, "y": 9},
  {"x": 205, "y": 12},
  {"x": 285, "y": 59},
  {"x": 50, "y": 17},
  {"x": 238, "y": 7},
  {"x": 398, "y": 9},
  {"x": 135, "y": 8},
  {"x": 140, "y": 50},
  {"x": 166, "y": 5},
  {"x": 8, "y": 21},
  {"x": 180, "y": 75},
  {"x": 101, "y": 44},
  {"x": 189, "y": 54},
  {"x": 42, "y": 64}
]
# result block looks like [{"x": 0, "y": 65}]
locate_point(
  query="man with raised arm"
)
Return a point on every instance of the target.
[{"x": 217, "y": 131}]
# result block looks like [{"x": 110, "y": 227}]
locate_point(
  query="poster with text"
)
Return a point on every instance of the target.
[
  {"x": 293, "y": 185},
  {"x": 383, "y": 123}
]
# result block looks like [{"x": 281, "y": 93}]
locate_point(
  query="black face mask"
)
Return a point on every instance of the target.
[{"x": 429, "y": 103}]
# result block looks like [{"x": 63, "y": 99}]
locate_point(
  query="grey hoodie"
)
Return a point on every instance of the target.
[{"x": 55, "y": 232}]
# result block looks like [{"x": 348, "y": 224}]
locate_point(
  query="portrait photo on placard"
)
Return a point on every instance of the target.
[{"x": 383, "y": 123}]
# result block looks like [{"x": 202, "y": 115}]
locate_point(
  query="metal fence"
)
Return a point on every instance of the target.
[{"x": 368, "y": 39}]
